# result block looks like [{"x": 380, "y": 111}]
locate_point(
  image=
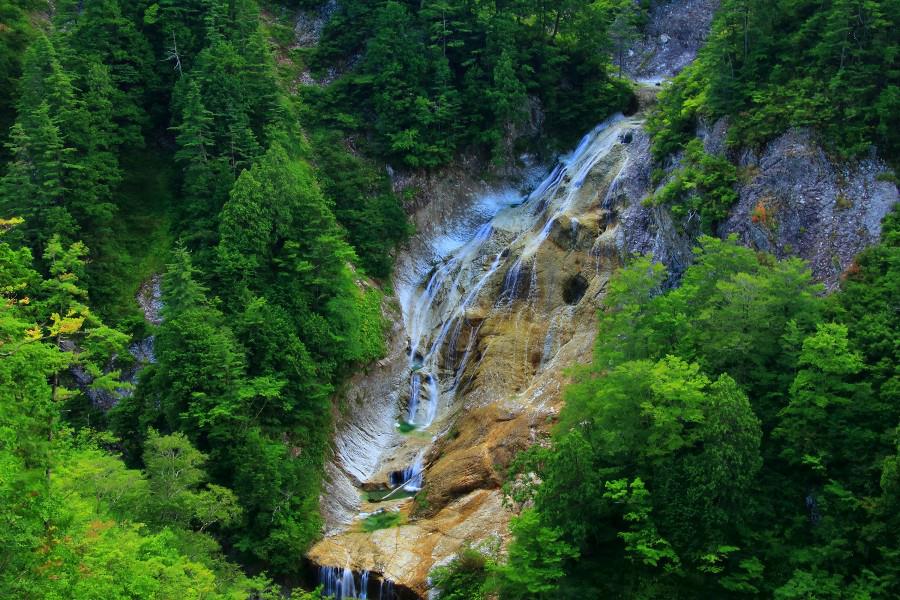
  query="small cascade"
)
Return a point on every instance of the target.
[
  {"x": 510, "y": 290},
  {"x": 386, "y": 590},
  {"x": 412, "y": 475},
  {"x": 434, "y": 398},
  {"x": 341, "y": 584},
  {"x": 467, "y": 356},
  {"x": 338, "y": 583},
  {"x": 364, "y": 586},
  {"x": 578, "y": 165},
  {"x": 415, "y": 390}
]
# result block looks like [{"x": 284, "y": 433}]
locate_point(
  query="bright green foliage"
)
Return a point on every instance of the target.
[
  {"x": 173, "y": 468},
  {"x": 728, "y": 439},
  {"x": 536, "y": 559},
  {"x": 71, "y": 512},
  {"x": 773, "y": 65},
  {"x": 382, "y": 520},
  {"x": 736, "y": 435},
  {"x": 826, "y": 397},
  {"x": 643, "y": 543},
  {"x": 465, "y": 578},
  {"x": 701, "y": 191}
]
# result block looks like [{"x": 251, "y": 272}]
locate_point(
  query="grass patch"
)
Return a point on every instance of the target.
[
  {"x": 406, "y": 427},
  {"x": 382, "y": 520}
]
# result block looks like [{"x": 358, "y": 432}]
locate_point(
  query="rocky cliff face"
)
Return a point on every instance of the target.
[
  {"x": 799, "y": 202},
  {"x": 674, "y": 33},
  {"x": 793, "y": 201},
  {"x": 527, "y": 280},
  {"x": 495, "y": 300},
  {"x": 149, "y": 299}
]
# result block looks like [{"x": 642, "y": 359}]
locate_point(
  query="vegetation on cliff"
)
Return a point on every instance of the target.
[
  {"x": 167, "y": 120},
  {"x": 768, "y": 66}
]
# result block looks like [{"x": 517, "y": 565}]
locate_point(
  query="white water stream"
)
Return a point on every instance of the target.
[{"x": 436, "y": 299}]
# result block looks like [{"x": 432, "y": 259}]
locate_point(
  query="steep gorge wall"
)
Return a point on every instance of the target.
[
  {"x": 793, "y": 201},
  {"x": 520, "y": 332}
]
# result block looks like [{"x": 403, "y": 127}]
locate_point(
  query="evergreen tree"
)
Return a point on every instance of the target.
[{"x": 34, "y": 184}]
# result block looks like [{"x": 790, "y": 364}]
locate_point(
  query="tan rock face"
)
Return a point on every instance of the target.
[
  {"x": 474, "y": 455},
  {"x": 492, "y": 314},
  {"x": 406, "y": 554}
]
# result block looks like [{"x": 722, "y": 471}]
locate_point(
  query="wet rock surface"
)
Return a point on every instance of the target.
[{"x": 495, "y": 337}]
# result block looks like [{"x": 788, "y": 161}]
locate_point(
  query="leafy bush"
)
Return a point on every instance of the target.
[{"x": 703, "y": 187}]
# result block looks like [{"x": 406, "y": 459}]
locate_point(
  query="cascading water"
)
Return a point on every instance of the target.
[
  {"x": 338, "y": 583},
  {"x": 412, "y": 475},
  {"x": 364, "y": 586},
  {"x": 438, "y": 311}
]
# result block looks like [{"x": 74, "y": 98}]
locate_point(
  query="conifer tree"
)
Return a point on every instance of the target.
[{"x": 34, "y": 186}]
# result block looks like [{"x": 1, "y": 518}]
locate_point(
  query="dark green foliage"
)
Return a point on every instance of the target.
[
  {"x": 735, "y": 435},
  {"x": 15, "y": 35},
  {"x": 362, "y": 201},
  {"x": 773, "y": 65},
  {"x": 99, "y": 33},
  {"x": 438, "y": 77},
  {"x": 465, "y": 578},
  {"x": 137, "y": 122},
  {"x": 263, "y": 318}
]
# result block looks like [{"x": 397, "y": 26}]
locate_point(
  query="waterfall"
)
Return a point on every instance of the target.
[
  {"x": 412, "y": 475},
  {"x": 475, "y": 298},
  {"x": 414, "y": 392},
  {"x": 386, "y": 590},
  {"x": 436, "y": 313},
  {"x": 338, "y": 583},
  {"x": 364, "y": 586}
]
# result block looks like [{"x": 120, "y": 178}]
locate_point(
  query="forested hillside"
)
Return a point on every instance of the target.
[
  {"x": 769, "y": 66},
  {"x": 736, "y": 434},
  {"x": 433, "y": 78},
  {"x": 150, "y": 137}
]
